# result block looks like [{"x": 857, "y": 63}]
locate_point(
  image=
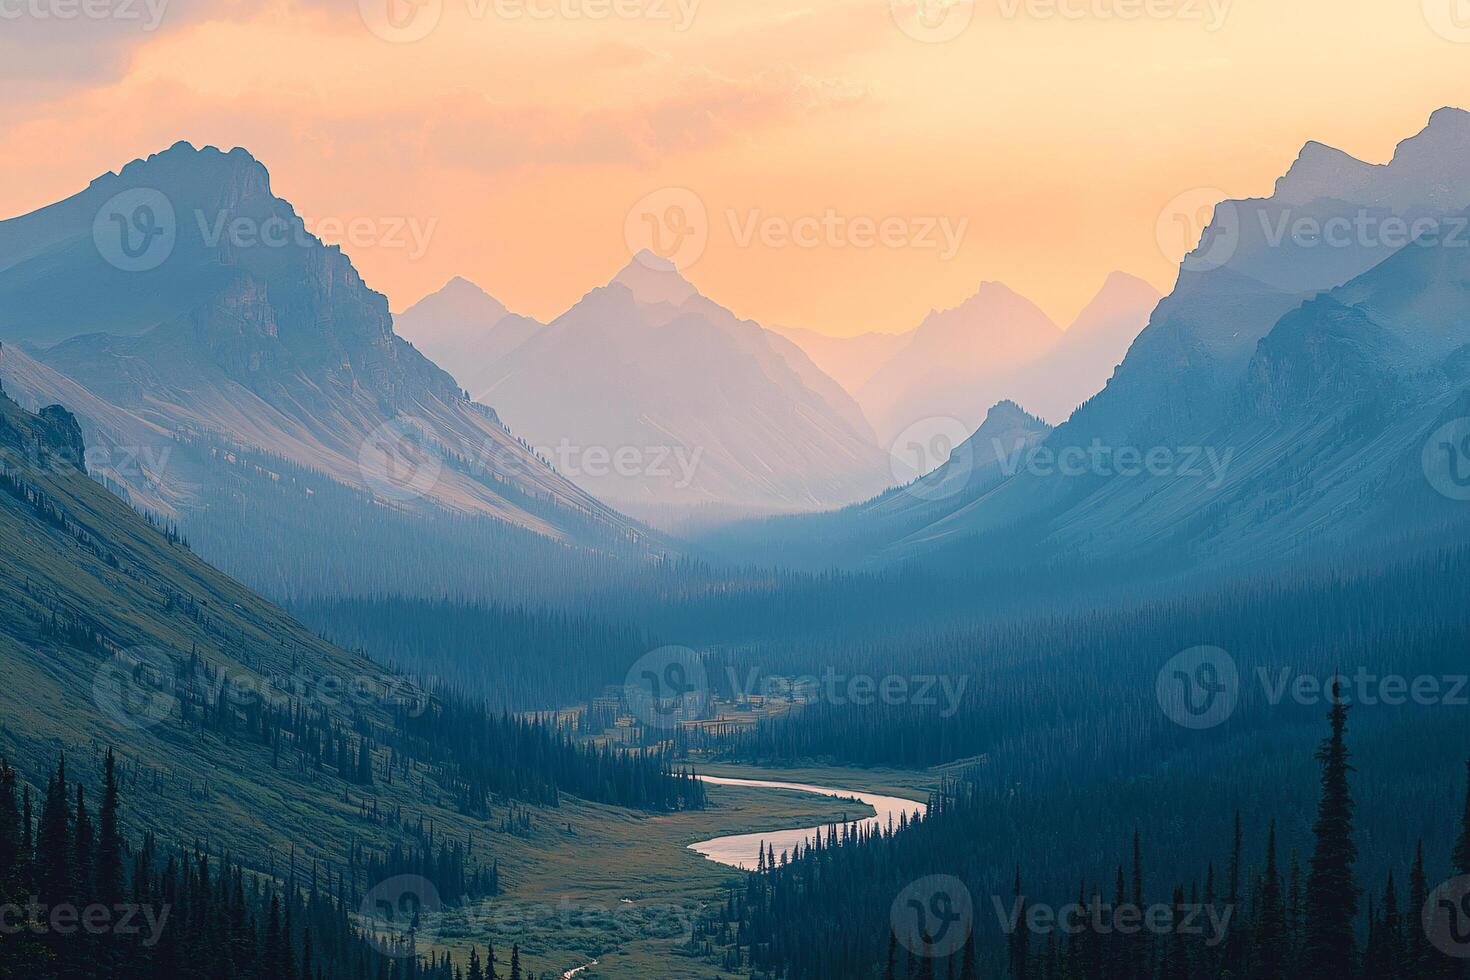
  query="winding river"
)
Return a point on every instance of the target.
[{"x": 743, "y": 850}]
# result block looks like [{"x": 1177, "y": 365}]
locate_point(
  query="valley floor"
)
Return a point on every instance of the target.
[{"x": 624, "y": 888}]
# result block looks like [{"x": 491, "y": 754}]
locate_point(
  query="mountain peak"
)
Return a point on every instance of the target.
[
  {"x": 653, "y": 279},
  {"x": 1007, "y": 412},
  {"x": 1322, "y": 171},
  {"x": 1121, "y": 293},
  {"x": 460, "y": 300},
  {"x": 1429, "y": 168},
  {"x": 185, "y": 166}
]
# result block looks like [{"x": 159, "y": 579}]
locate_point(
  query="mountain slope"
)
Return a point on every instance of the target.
[
  {"x": 854, "y": 534},
  {"x": 92, "y": 598},
  {"x": 704, "y": 409},
  {"x": 251, "y": 330}
]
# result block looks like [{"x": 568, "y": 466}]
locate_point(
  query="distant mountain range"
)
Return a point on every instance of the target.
[
  {"x": 660, "y": 401},
  {"x": 998, "y": 345},
  {"x": 1301, "y": 392},
  {"x": 790, "y": 433}
]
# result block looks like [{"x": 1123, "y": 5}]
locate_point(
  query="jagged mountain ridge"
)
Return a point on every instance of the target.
[{"x": 251, "y": 329}]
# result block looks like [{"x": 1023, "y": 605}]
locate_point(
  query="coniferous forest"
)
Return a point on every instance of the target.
[{"x": 1243, "y": 907}]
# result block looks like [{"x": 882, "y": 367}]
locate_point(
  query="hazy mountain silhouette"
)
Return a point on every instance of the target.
[
  {"x": 1288, "y": 418},
  {"x": 464, "y": 329},
  {"x": 718, "y": 411},
  {"x": 182, "y": 292}
]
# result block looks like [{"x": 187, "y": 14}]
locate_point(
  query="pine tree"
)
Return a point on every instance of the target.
[
  {"x": 515, "y": 962},
  {"x": 82, "y": 845},
  {"x": 54, "y": 841},
  {"x": 109, "y": 859},
  {"x": 1233, "y": 958},
  {"x": 10, "y": 833},
  {"x": 1019, "y": 948},
  {"x": 1419, "y": 950},
  {"x": 1271, "y": 935},
  {"x": 475, "y": 973},
  {"x": 1462, "y": 846},
  {"x": 1332, "y": 892},
  {"x": 1391, "y": 934},
  {"x": 1296, "y": 915}
]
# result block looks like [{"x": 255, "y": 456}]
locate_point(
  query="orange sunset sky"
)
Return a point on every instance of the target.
[{"x": 517, "y": 135}]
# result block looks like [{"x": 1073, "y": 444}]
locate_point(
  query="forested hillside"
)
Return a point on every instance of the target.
[{"x": 1179, "y": 902}]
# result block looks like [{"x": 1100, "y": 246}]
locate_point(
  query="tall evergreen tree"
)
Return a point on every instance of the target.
[
  {"x": 109, "y": 860},
  {"x": 1269, "y": 959},
  {"x": 1332, "y": 891},
  {"x": 1462, "y": 846},
  {"x": 10, "y": 832},
  {"x": 1019, "y": 948},
  {"x": 1417, "y": 955},
  {"x": 54, "y": 841}
]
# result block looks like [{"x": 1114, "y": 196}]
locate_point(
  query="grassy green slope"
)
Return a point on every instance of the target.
[{"x": 582, "y": 880}]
